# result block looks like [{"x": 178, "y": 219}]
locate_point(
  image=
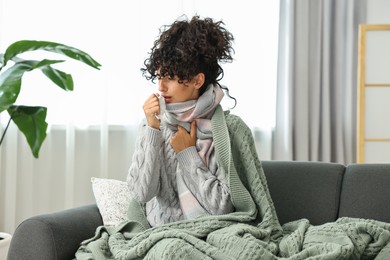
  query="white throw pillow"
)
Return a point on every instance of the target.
[{"x": 112, "y": 198}]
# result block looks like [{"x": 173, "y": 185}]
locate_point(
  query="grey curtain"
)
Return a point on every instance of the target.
[{"x": 317, "y": 80}]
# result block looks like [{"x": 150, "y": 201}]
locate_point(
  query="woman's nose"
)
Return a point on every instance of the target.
[{"x": 161, "y": 85}]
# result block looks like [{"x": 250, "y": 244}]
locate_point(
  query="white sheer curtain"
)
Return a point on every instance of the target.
[{"x": 92, "y": 129}]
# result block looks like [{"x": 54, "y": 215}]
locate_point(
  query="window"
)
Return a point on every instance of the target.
[{"x": 119, "y": 34}]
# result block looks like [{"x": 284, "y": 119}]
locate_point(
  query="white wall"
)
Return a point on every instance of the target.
[{"x": 378, "y": 11}]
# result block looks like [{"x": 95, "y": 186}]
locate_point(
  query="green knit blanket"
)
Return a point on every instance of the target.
[{"x": 251, "y": 232}]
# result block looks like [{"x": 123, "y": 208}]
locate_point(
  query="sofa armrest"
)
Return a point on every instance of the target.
[{"x": 56, "y": 235}]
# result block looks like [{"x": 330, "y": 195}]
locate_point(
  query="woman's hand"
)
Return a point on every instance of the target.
[
  {"x": 182, "y": 139},
  {"x": 151, "y": 108}
]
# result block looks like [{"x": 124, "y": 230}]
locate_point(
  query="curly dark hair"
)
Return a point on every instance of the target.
[{"x": 187, "y": 48}]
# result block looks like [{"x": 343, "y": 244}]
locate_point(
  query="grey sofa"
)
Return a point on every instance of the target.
[{"x": 320, "y": 192}]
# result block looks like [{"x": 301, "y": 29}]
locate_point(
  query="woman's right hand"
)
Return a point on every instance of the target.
[{"x": 151, "y": 109}]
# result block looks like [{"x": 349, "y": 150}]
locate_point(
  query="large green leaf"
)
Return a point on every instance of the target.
[
  {"x": 11, "y": 79},
  {"x": 60, "y": 78},
  {"x": 28, "y": 45},
  {"x": 31, "y": 121},
  {"x": 10, "y": 82}
]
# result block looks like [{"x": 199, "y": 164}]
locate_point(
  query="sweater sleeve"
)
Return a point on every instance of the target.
[
  {"x": 209, "y": 189},
  {"x": 143, "y": 176}
]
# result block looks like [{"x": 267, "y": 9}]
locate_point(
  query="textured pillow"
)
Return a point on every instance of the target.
[{"x": 112, "y": 198}]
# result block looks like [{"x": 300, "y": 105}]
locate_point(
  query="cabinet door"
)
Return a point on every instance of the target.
[{"x": 373, "y": 144}]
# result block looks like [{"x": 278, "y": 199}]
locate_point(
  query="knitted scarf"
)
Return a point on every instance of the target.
[{"x": 200, "y": 110}]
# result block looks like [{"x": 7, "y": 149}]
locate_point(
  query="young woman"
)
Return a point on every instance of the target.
[
  {"x": 175, "y": 170},
  {"x": 197, "y": 185}
]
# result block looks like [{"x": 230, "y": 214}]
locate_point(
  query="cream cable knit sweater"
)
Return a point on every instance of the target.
[{"x": 152, "y": 177}]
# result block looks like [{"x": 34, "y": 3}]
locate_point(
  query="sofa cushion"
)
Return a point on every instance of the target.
[
  {"x": 112, "y": 198},
  {"x": 366, "y": 192},
  {"x": 308, "y": 190}
]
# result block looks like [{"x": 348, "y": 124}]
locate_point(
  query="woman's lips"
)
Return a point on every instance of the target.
[{"x": 167, "y": 99}]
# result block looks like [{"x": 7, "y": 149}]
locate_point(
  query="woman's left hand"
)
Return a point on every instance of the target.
[{"x": 182, "y": 139}]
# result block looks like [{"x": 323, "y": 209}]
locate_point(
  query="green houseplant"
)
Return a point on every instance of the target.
[{"x": 31, "y": 120}]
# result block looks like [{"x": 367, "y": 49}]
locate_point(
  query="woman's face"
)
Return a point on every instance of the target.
[{"x": 175, "y": 92}]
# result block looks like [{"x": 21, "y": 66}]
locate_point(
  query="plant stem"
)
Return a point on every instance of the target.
[{"x": 6, "y": 128}]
